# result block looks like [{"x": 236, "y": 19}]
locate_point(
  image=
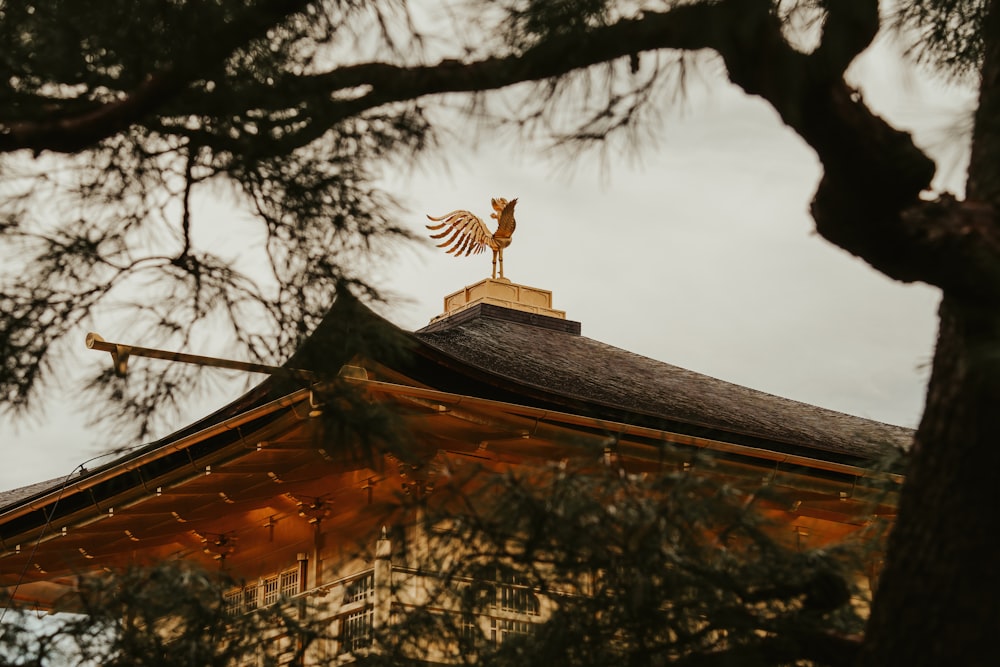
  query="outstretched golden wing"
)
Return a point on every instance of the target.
[
  {"x": 505, "y": 218},
  {"x": 466, "y": 233}
]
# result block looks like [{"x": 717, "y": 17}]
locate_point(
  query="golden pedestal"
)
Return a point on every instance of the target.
[{"x": 501, "y": 292}]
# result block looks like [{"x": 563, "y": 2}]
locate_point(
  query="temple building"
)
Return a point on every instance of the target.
[{"x": 283, "y": 497}]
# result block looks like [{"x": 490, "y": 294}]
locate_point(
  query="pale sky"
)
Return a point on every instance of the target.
[{"x": 699, "y": 253}]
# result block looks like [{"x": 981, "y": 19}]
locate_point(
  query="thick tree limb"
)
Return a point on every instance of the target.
[
  {"x": 867, "y": 203},
  {"x": 383, "y": 83},
  {"x": 69, "y": 134},
  {"x": 868, "y": 200},
  {"x": 941, "y": 550}
]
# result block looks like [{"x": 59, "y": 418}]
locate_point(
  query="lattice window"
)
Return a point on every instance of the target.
[
  {"x": 234, "y": 602},
  {"x": 268, "y": 591},
  {"x": 360, "y": 589},
  {"x": 270, "y": 586},
  {"x": 469, "y": 630},
  {"x": 249, "y": 598},
  {"x": 356, "y": 630},
  {"x": 502, "y": 630},
  {"x": 289, "y": 585},
  {"x": 512, "y": 595}
]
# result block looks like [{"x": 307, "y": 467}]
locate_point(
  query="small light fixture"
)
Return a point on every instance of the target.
[
  {"x": 315, "y": 407},
  {"x": 351, "y": 372},
  {"x": 219, "y": 548}
]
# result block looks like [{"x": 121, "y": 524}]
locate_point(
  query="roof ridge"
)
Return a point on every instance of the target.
[{"x": 508, "y": 314}]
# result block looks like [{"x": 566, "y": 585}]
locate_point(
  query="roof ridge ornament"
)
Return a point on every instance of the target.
[{"x": 467, "y": 234}]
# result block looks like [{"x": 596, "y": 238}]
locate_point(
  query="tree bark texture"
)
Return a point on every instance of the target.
[{"x": 938, "y": 601}]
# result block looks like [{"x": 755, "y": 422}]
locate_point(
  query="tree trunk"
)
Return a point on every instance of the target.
[
  {"x": 930, "y": 608},
  {"x": 938, "y": 601}
]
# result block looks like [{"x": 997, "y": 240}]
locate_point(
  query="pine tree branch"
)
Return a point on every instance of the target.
[
  {"x": 71, "y": 133},
  {"x": 868, "y": 200}
]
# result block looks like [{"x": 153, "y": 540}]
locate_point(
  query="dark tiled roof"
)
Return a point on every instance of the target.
[
  {"x": 537, "y": 360},
  {"x": 545, "y": 360},
  {"x": 15, "y": 496}
]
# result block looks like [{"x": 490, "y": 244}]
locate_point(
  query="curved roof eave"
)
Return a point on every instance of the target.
[
  {"x": 498, "y": 358},
  {"x": 492, "y": 358}
]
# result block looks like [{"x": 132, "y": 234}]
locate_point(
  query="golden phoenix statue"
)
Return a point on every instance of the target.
[{"x": 468, "y": 235}]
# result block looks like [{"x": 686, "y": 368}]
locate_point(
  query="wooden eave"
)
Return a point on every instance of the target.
[
  {"x": 544, "y": 364},
  {"x": 252, "y": 470}
]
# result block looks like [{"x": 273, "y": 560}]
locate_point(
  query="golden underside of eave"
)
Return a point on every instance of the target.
[{"x": 280, "y": 489}]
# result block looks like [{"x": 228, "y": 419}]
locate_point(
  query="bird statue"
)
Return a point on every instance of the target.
[{"x": 469, "y": 234}]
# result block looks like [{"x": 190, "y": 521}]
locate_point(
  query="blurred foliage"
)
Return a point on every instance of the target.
[
  {"x": 126, "y": 231},
  {"x": 626, "y": 569},
  {"x": 157, "y": 616},
  {"x": 602, "y": 566}
]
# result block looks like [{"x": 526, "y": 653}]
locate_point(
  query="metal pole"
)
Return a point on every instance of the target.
[{"x": 120, "y": 354}]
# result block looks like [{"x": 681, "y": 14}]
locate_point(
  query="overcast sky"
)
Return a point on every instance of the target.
[{"x": 699, "y": 253}]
